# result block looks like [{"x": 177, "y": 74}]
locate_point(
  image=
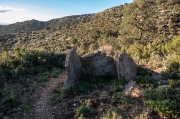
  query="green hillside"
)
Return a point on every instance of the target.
[{"x": 153, "y": 22}]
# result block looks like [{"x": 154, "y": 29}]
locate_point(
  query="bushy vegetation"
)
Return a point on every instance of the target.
[
  {"x": 164, "y": 100},
  {"x": 82, "y": 109},
  {"x": 22, "y": 63},
  {"x": 119, "y": 98},
  {"x": 112, "y": 114},
  {"x": 125, "y": 29},
  {"x": 144, "y": 78}
]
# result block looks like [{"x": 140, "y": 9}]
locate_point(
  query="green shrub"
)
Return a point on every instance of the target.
[
  {"x": 167, "y": 107},
  {"x": 164, "y": 100},
  {"x": 171, "y": 75},
  {"x": 23, "y": 62},
  {"x": 143, "y": 71},
  {"x": 7, "y": 100},
  {"x": 119, "y": 97},
  {"x": 116, "y": 86},
  {"x": 83, "y": 109},
  {"x": 81, "y": 117},
  {"x": 173, "y": 82},
  {"x": 25, "y": 107},
  {"x": 146, "y": 81},
  {"x": 55, "y": 72},
  {"x": 44, "y": 82},
  {"x": 112, "y": 114}
]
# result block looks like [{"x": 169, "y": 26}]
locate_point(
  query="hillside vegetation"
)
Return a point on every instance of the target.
[{"x": 33, "y": 51}]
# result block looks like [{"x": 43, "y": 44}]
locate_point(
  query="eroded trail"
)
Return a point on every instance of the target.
[{"x": 41, "y": 106}]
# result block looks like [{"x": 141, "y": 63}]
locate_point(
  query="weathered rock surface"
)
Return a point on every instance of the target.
[
  {"x": 132, "y": 89},
  {"x": 126, "y": 68},
  {"x": 73, "y": 69},
  {"x": 99, "y": 64}
]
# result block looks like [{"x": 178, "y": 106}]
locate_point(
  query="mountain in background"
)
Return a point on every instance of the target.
[
  {"x": 30, "y": 25},
  {"x": 164, "y": 15},
  {"x": 35, "y": 25}
]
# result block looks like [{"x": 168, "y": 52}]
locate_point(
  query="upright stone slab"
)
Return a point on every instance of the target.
[
  {"x": 126, "y": 68},
  {"x": 99, "y": 64},
  {"x": 73, "y": 69}
]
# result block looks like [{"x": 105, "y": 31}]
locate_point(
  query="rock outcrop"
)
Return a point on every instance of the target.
[
  {"x": 99, "y": 64},
  {"x": 126, "y": 68},
  {"x": 132, "y": 89},
  {"x": 73, "y": 69}
]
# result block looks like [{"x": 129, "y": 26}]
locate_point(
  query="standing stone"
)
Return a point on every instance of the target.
[
  {"x": 126, "y": 68},
  {"x": 99, "y": 64},
  {"x": 73, "y": 69}
]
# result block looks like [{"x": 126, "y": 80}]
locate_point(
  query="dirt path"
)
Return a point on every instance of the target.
[{"x": 42, "y": 108}]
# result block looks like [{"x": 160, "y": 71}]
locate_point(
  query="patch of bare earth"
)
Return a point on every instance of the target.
[{"x": 41, "y": 106}]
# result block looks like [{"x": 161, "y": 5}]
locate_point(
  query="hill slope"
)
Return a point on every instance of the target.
[
  {"x": 154, "y": 22},
  {"x": 35, "y": 25},
  {"x": 30, "y": 25}
]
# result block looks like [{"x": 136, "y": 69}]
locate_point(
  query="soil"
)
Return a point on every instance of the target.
[{"x": 41, "y": 106}]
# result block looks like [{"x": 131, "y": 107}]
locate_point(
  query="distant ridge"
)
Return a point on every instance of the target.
[
  {"x": 35, "y": 25},
  {"x": 29, "y": 25}
]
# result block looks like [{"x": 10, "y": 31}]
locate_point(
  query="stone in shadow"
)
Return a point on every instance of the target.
[
  {"x": 126, "y": 67},
  {"x": 99, "y": 64},
  {"x": 73, "y": 69}
]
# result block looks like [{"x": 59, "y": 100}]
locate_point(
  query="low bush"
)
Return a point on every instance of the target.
[
  {"x": 144, "y": 79},
  {"x": 146, "y": 82},
  {"x": 173, "y": 82},
  {"x": 22, "y": 62},
  {"x": 143, "y": 71},
  {"x": 119, "y": 98},
  {"x": 82, "y": 109},
  {"x": 112, "y": 114},
  {"x": 163, "y": 100}
]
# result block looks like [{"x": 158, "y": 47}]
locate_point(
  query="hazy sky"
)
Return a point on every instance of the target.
[{"x": 12, "y": 11}]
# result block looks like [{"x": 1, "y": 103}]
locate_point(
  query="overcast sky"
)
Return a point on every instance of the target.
[{"x": 12, "y": 11}]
